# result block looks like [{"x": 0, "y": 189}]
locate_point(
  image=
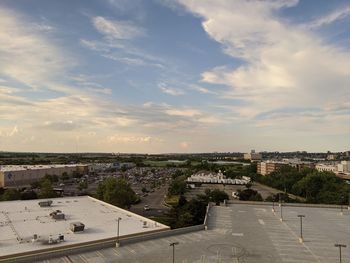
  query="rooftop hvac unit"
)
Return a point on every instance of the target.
[
  {"x": 45, "y": 203},
  {"x": 77, "y": 227},
  {"x": 57, "y": 215}
]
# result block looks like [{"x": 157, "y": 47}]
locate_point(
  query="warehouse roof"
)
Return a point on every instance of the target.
[{"x": 26, "y": 226}]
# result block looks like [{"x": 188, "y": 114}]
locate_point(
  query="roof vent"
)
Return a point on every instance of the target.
[{"x": 45, "y": 203}]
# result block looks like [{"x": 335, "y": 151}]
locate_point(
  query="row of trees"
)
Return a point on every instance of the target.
[
  {"x": 189, "y": 213},
  {"x": 314, "y": 186}
]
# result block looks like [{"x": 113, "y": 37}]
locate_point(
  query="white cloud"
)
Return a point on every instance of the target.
[
  {"x": 113, "y": 29},
  {"x": 26, "y": 55},
  {"x": 284, "y": 66},
  {"x": 183, "y": 112}
]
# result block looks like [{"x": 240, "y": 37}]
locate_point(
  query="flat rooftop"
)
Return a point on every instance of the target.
[
  {"x": 12, "y": 168},
  {"x": 21, "y": 220},
  {"x": 242, "y": 233}
]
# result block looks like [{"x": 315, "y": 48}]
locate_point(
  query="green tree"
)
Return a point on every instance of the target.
[
  {"x": 11, "y": 194},
  {"x": 178, "y": 186},
  {"x": 46, "y": 189},
  {"x": 117, "y": 192}
]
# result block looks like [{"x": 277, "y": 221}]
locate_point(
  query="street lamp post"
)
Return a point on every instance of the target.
[
  {"x": 173, "y": 244},
  {"x": 118, "y": 220},
  {"x": 340, "y": 246},
  {"x": 301, "y": 239},
  {"x": 281, "y": 219}
]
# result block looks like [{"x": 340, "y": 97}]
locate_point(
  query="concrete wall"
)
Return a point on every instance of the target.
[{"x": 285, "y": 204}]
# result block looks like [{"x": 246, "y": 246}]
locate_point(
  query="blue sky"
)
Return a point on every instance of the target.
[{"x": 174, "y": 76}]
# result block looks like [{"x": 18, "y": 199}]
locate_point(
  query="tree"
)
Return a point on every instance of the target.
[
  {"x": 249, "y": 195},
  {"x": 178, "y": 186},
  {"x": 11, "y": 194},
  {"x": 116, "y": 192},
  {"x": 218, "y": 196},
  {"x": 46, "y": 189}
]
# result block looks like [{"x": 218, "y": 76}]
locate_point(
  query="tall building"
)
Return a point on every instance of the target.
[
  {"x": 253, "y": 156},
  {"x": 265, "y": 168}
]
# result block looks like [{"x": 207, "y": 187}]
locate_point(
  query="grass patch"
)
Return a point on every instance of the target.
[{"x": 172, "y": 200}]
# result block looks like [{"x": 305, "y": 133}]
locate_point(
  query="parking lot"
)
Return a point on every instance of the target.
[{"x": 243, "y": 233}]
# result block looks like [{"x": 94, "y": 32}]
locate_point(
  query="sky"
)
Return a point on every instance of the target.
[{"x": 166, "y": 76}]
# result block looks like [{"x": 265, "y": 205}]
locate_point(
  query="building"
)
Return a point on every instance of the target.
[
  {"x": 237, "y": 232},
  {"x": 24, "y": 175},
  {"x": 253, "y": 156},
  {"x": 321, "y": 167},
  {"x": 298, "y": 164},
  {"x": 216, "y": 178},
  {"x": 267, "y": 167},
  {"x": 28, "y": 227},
  {"x": 344, "y": 167}
]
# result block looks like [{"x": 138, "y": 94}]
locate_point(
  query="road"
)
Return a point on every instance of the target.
[{"x": 154, "y": 201}]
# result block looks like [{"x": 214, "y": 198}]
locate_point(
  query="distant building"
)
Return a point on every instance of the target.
[
  {"x": 332, "y": 157},
  {"x": 253, "y": 156},
  {"x": 215, "y": 178},
  {"x": 267, "y": 167},
  {"x": 321, "y": 167},
  {"x": 344, "y": 167},
  {"x": 24, "y": 175}
]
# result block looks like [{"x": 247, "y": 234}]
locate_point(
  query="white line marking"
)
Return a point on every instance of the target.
[
  {"x": 237, "y": 234},
  {"x": 261, "y": 222}
]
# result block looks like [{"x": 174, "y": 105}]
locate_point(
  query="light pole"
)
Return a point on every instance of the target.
[
  {"x": 301, "y": 228},
  {"x": 118, "y": 220},
  {"x": 281, "y": 218},
  {"x": 340, "y": 246},
  {"x": 173, "y": 244}
]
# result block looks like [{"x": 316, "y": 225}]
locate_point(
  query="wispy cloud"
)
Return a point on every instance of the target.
[
  {"x": 330, "y": 18},
  {"x": 113, "y": 29},
  {"x": 202, "y": 89},
  {"x": 170, "y": 91}
]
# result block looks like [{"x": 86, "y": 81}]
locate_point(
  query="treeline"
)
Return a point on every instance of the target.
[
  {"x": 190, "y": 213},
  {"x": 314, "y": 186}
]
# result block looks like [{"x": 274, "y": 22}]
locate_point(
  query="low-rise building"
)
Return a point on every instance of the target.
[
  {"x": 24, "y": 175},
  {"x": 253, "y": 156},
  {"x": 216, "y": 178},
  {"x": 322, "y": 167}
]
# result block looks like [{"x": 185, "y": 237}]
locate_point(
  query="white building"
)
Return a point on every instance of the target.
[
  {"x": 326, "y": 167},
  {"x": 28, "y": 227},
  {"x": 216, "y": 178},
  {"x": 344, "y": 167}
]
